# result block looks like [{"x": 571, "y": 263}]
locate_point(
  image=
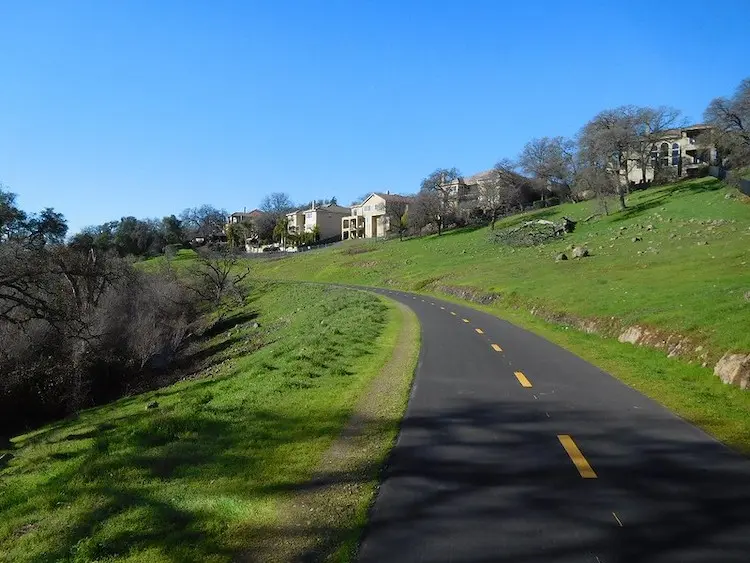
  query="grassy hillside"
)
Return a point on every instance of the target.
[
  {"x": 202, "y": 476},
  {"x": 688, "y": 273}
]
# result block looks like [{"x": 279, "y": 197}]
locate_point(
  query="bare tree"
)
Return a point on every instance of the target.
[
  {"x": 650, "y": 126},
  {"x": 731, "y": 120},
  {"x": 424, "y": 210},
  {"x": 444, "y": 183},
  {"x": 275, "y": 206},
  {"x": 609, "y": 140},
  {"x": 501, "y": 190},
  {"x": 550, "y": 161},
  {"x": 397, "y": 217},
  {"x": 203, "y": 221},
  {"x": 216, "y": 275}
]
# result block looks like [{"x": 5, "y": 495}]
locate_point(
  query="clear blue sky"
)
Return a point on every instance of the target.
[{"x": 114, "y": 108}]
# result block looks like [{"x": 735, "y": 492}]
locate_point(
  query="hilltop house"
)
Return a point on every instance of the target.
[
  {"x": 372, "y": 217},
  {"x": 327, "y": 219},
  {"x": 244, "y": 216},
  {"x": 680, "y": 152}
]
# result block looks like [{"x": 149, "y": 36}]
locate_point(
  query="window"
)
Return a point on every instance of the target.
[
  {"x": 653, "y": 155},
  {"x": 308, "y": 215},
  {"x": 664, "y": 154},
  {"x": 675, "y": 154}
]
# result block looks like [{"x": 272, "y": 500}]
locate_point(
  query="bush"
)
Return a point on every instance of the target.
[{"x": 84, "y": 328}]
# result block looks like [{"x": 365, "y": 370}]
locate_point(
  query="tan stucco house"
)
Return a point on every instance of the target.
[
  {"x": 682, "y": 150},
  {"x": 371, "y": 218},
  {"x": 326, "y": 217}
]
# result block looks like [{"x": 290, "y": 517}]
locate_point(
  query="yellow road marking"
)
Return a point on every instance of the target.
[
  {"x": 452, "y": 313},
  {"x": 496, "y": 348},
  {"x": 522, "y": 379},
  {"x": 443, "y": 308},
  {"x": 466, "y": 320},
  {"x": 576, "y": 457},
  {"x": 431, "y": 303},
  {"x": 618, "y": 520},
  {"x": 479, "y": 331}
]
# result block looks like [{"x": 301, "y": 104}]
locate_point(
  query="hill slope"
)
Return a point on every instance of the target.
[{"x": 687, "y": 275}]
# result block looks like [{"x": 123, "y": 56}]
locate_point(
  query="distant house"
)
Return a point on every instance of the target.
[
  {"x": 327, "y": 219},
  {"x": 244, "y": 216},
  {"x": 465, "y": 194},
  {"x": 372, "y": 217},
  {"x": 681, "y": 151}
]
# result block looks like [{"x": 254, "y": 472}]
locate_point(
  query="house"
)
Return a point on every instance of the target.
[
  {"x": 465, "y": 194},
  {"x": 244, "y": 216},
  {"x": 372, "y": 217},
  {"x": 327, "y": 219},
  {"x": 680, "y": 152}
]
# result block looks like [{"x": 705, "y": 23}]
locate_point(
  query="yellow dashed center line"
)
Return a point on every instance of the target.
[
  {"x": 522, "y": 379},
  {"x": 496, "y": 348},
  {"x": 466, "y": 320},
  {"x": 479, "y": 331},
  {"x": 452, "y": 313},
  {"x": 443, "y": 308},
  {"x": 576, "y": 457}
]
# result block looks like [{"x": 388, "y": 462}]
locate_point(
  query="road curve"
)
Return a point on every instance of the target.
[{"x": 513, "y": 449}]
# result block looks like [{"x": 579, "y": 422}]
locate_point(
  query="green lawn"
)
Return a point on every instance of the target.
[
  {"x": 671, "y": 280},
  {"x": 202, "y": 476}
]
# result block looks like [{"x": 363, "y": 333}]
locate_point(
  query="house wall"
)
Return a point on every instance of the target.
[
  {"x": 329, "y": 222},
  {"x": 683, "y": 145}
]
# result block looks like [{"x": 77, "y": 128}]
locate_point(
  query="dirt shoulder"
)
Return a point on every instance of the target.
[{"x": 323, "y": 521}]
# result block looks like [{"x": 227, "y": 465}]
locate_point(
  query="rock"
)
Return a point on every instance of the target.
[
  {"x": 152, "y": 405},
  {"x": 560, "y": 257},
  {"x": 256, "y": 325},
  {"x": 580, "y": 252},
  {"x": 747, "y": 296},
  {"x": 623, "y": 228},
  {"x": 636, "y": 239},
  {"x": 649, "y": 227},
  {"x": 734, "y": 369},
  {"x": 632, "y": 335},
  {"x": 729, "y": 196},
  {"x": 703, "y": 242}
]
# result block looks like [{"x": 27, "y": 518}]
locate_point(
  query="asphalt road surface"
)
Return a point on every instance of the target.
[{"x": 513, "y": 449}]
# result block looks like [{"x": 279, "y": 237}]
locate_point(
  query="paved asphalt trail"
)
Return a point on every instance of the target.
[{"x": 480, "y": 473}]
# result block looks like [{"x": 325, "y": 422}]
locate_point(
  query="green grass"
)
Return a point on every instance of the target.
[
  {"x": 202, "y": 476},
  {"x": 670, "y": 280}
]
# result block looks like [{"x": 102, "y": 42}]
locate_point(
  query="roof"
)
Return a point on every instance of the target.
[
  {"x": 253, "y": 213},
  {"x": 396, "y": 198},
  {"x": 482, "y": 176},
  {"x": 328, "y": 206}
]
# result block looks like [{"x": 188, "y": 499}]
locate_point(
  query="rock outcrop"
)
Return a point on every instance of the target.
[{"x": 734, "y": 369}]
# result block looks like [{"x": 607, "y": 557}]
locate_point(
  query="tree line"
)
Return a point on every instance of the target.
[
  {"x": 80, "y": 325},
  {"x": 595, "y": 163}
]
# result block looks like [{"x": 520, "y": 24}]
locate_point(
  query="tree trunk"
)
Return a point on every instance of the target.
[
  {"x": 494, "y": 218},
  {"x": 621, "y": 198}
]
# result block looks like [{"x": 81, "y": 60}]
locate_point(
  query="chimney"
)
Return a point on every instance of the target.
[
  {"x": 244, "y": 209},
  {"x": 388, "y": 192}
]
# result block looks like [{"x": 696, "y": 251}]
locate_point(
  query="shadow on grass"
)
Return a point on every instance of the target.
[
  {"x": 499, "y": 466},
  {"x": 480, "y": 465},
  {"x": 682, "y": 188}
]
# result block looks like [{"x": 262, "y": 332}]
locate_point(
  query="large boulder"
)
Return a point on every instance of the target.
[
  {"x": 580, "y": 252},
  {"x": 632, "y": 335},
  {"x": 734, "y": 369}
]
